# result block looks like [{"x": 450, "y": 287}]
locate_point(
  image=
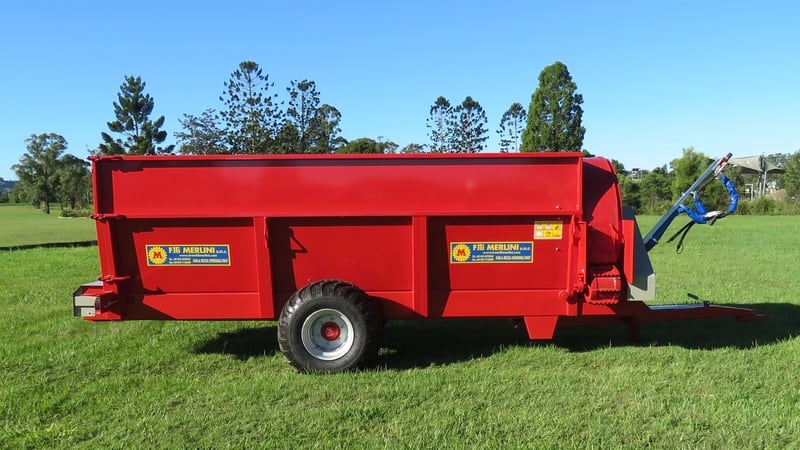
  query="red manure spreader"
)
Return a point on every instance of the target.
[{"x": 332, "y": 246}]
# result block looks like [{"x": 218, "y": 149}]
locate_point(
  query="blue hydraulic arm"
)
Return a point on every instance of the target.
[{"x": 699, "y": 214}]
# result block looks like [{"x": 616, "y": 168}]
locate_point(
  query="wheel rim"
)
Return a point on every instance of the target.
[{"x": 327, "y": 334}]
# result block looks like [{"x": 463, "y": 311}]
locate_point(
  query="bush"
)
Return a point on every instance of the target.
[
  {"x": 760, "y": 206},
  {"x": 657, "y": 208},
  {"x": 77, "y": 212},
  {"x": 745, "y": 208},
  {"x": 789, "y": 207},
  {"x": 764, "y": 206},
  {"x": 768, "y": 206}
]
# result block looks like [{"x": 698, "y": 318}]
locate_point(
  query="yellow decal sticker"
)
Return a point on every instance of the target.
[
  {"x": 547, "y": 230},
  {"x": 188, "y": 255},
  {"x": 491, "y": 252}
]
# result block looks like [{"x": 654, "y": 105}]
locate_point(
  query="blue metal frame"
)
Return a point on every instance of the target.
[{"x": 698, "y": 215}]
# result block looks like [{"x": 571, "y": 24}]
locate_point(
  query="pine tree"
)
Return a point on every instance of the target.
[
  {"x": 511, "y": 126},
  {"x": 252, "y": 119},
  {"x": 469, "y": 127},
  {"x": 440, "y": 125},
  {"x": 132, "y": 111},
  {"x": 202, "y": 135},
  {"x": 302, "y": 110}
]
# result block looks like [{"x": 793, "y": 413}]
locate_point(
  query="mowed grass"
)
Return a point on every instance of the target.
[
  {"x": 440, "y": 384},
  {"x": 25, "y": 225}
]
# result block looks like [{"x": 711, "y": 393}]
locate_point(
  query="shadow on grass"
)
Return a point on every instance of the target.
[
  {"x": 406, "y": 344},
  {"x": 707, "y": 334},
  {"x": 427, "y": 342},
  {"x": 243, "y": 344},
  {"x": 49, "y": 245},
  {"x": 423, "y": 343}
]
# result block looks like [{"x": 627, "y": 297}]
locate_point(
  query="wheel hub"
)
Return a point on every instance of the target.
[
  {"x": 327, "y": 334},
  {"x": 330, "y": 331}
]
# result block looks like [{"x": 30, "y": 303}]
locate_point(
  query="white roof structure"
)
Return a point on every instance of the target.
[{"x": 757, "y": 165}]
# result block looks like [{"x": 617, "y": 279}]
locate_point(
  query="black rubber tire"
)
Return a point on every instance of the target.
[{"x": 349, "y": 306}]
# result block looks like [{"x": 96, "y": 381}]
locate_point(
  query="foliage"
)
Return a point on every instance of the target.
[
  {"x": 253, "y": 121},
  {"x": 325, "y": 130},
  {"x": 20, "y": 194},
  {"x": 252, "y": 118},
  {"x": 413, "y": 148},
  {"x": 459, "y": 129},
  {"x": 469, "y": 127},
  {"x": 791, "y": 178},
  {"x": 287, "y": 141},
  {"x": 788, "y": 206},
  {"x": 365, "y": 145},
  {"x": 202, "y": 135},
  {"x": 760, "y": 206},
  {"x": 75, "y": 183},
  {"x": 439, "y": 124},
  {"x": 512, "y": 123},
  {"x": 132, "y": 111},
  {"x": 655, "y": 191},
  {"x": 629, "y": 191},
  {"x": 388, "y": 146},
  {"x": 38, "y": 168},
  {"x": 555, "y": 113},
  {"x": 619, "y": 168},
  {"x": 301, "y": 114},
  {"x": 46, "y": 175},
  {"x": 687, "y": 169}
]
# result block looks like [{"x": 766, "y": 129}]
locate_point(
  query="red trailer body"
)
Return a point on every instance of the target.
[{"x": 539, "y": 237}]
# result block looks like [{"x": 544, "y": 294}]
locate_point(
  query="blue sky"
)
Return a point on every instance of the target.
[{"x": 721, "y": 76}]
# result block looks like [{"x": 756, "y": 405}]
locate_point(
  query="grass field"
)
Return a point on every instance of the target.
[
  {"x": 24, "y": 225},
  {"x": 714, "y": 384}
]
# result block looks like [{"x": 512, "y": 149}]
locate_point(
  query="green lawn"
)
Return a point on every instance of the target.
[
  {"x": 25, "y": 225},
  {"x": 714, "y": 384}
]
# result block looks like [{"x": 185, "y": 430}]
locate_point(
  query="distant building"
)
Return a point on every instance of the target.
[{"x": 637, "y": 173}]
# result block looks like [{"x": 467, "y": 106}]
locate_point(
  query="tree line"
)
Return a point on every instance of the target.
[
  {"x": 553, "y": 121},
  {"x": 255, "y": 119}
]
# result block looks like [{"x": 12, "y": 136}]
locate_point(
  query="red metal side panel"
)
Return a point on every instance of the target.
[
  {"x": 374, "y": 253},
  {"x": 602, "y": 212},
  {"x": 338, "y": 186},
  {"x": 510, "y": 280},
  {"x": 151, "y": 275},
  {"x": 221, "y": 286},
  {"x": 420, "y": 267},
  {"x": 372, "y": 220},
  {"x": 629, "y": 235},
  {"x": 546, "y": 268}
]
